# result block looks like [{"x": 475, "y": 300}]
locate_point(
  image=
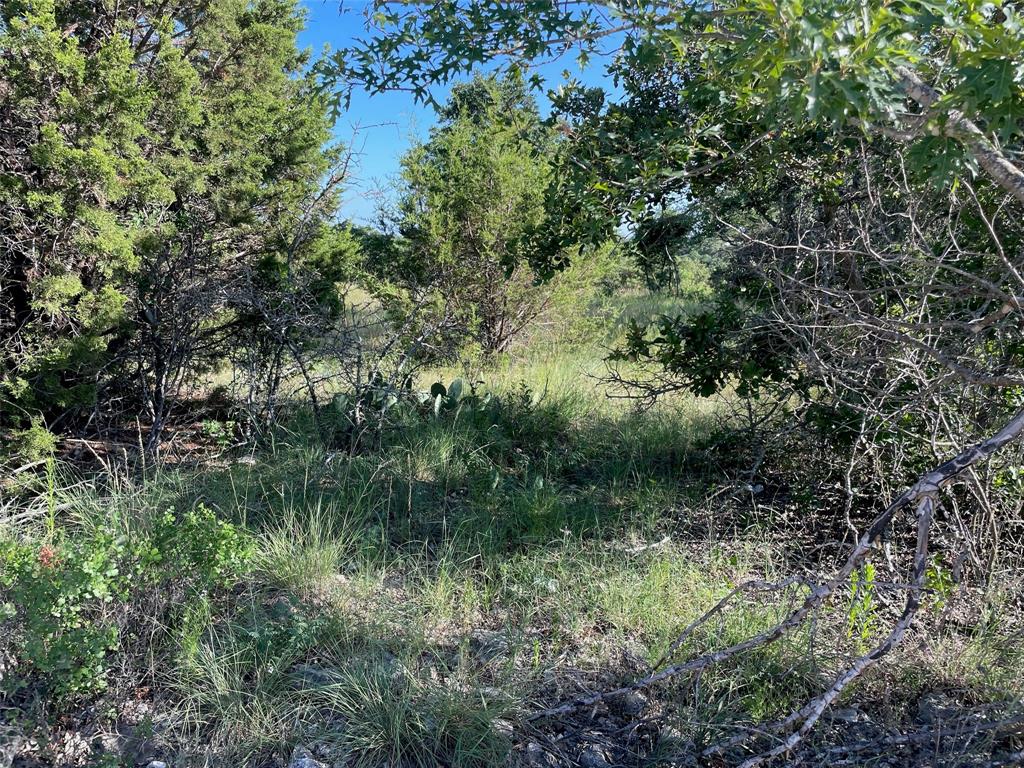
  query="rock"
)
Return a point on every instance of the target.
[
  {"x": 107, "y": 742},
  {"x": 308, "y": 676},
  {"x": 935, "y": 708},
  {"x": 429, "y": 723},
  {"x": 592, "y": 757},
  {"x": 135, "y": 711},
  {"x": 303, "y": 758},
  {"x": 10, "y": 745},
  {"x": 281, "y": 608},
  {"x": 672, "y": 740},
  {"x": 383, "y": 663},
  {"x": 631, "y": 703},
  {"x": 132, "y": 744},
  {"x": 490, "y": 695},
  {"x": 536, "y": 755},
  {"x": 847, "y": 715},
  {"x": 488, "y": 645},
  {"x": 504, "y": 729},
  {"x": 73, "y": 749}
]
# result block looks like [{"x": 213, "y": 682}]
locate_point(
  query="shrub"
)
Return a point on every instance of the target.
[
  {"x": 34, "y": 443},
  {"x": 69, "y": 595}
]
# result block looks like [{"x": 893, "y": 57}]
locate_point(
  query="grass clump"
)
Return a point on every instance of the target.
[{"x": 304, "y": 553}]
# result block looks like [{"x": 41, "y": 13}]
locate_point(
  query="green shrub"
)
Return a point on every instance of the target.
[
  {"x": 56, "y": 594},
  {"x": 69, "y": 594},
  {"x": 201, "y": 546},
  {"x": 34, "y": 443}
]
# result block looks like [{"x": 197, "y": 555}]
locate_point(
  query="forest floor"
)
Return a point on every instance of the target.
[{"x": 415, "y": 604}]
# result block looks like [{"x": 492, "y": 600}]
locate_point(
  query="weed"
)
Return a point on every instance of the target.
[
  {"x": 862, "y": 613},
  {"x": 65, "y": 590}
]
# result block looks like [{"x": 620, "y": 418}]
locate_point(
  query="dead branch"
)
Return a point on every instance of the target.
[{"x": 923, "y": 497}]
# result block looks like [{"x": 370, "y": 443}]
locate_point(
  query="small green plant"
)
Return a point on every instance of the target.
[
  {"x": 939, "y": 583},
  {"x": 221, "y": 432},
  {"x": 1009, "y": 479},
  {"x": 445, "y": 399},
  {"x": 862, "y": 614},
  {"x": 202, "y": 546},
  {"x": 61, "y": 592},
  {"x": 56, "y": 593}
]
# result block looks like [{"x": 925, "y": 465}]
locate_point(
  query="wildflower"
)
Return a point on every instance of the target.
[{"x": 47, "y": 556}]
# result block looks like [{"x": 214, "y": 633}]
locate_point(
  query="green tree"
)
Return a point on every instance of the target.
[
  {"x": 471, "y": 198},
  {"x": 155, "y": 157},
  {"x": 776, "y": 120}
]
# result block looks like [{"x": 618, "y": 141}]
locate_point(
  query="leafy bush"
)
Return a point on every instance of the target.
[
  {"x": 69, "y": 594},
  {"x": 57, "y": 596},
  {"x": 32, "y": 444}
]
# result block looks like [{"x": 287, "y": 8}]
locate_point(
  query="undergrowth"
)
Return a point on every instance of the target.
[{"x": 413, "y": 604}]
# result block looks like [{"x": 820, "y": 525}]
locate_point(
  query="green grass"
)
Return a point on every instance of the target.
[
  {"x": 411, "y": 605},
  {"x": 304, "y": 552}
]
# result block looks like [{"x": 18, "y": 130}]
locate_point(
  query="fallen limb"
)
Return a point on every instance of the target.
[
  {"x": 958, "y": 729},
  {"x": 744, "y": 588}
]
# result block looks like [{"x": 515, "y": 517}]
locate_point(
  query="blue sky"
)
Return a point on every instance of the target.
[
  {"x": 379, "y": 127},
  {"x": 383, "y": 126}
]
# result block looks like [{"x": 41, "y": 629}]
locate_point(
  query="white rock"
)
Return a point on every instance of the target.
[
  {"x": 592, "y": 757},
  {"x": 302, "y": 758}
]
